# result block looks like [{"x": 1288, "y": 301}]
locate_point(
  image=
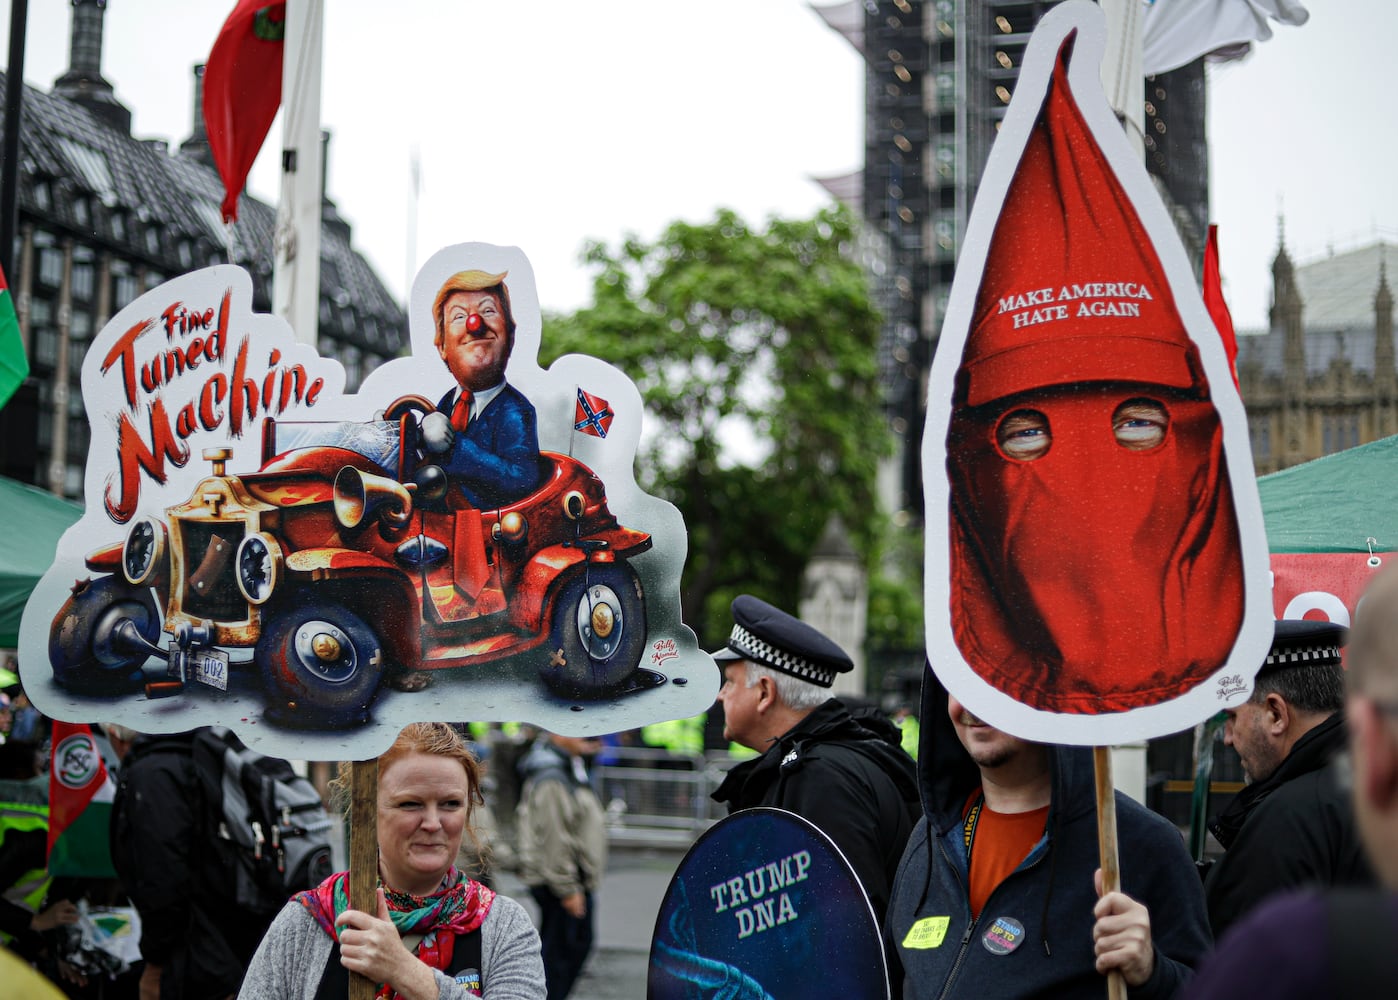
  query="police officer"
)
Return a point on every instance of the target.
[
  {"x": 1292, "y": 826},
  {"x": 849, "y": 776}
]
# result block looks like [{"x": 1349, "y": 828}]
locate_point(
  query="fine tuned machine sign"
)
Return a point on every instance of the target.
[{"x": 463, "y": 538}]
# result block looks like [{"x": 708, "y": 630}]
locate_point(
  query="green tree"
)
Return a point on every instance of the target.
[{"x": 755, "y": 352}]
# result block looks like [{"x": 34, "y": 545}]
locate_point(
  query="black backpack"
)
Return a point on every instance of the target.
[{"x": 267, "y": 823}]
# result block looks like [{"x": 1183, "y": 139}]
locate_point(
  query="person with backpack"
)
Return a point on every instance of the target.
[
  {"x": 437, "y": 932},
  {"x": 562, "y": 851},
  {"x": 196, "y": 939},
  {"x": 845, "y": 773}
]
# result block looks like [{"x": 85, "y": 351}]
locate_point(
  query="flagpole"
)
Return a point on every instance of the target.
[
  {"x": 414, "y": 192},
  {"x": 296, "y": 273},
  {"x": 14, "y": 99},
  {"x": 1122, "y": 75},
  {"x": 573, "y": 433}
]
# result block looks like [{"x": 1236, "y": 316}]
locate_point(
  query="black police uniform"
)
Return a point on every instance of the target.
[{"x": 845, "y": 773}]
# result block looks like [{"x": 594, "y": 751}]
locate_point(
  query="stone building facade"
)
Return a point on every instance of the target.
[
  {"x": 1323, "y": 377},
  {"x": 104, "y": 216}
]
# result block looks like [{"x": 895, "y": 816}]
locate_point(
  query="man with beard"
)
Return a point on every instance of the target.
[
  {"x": 996, "y": 895},
  {"x": 1292, "y": 826},
  {"x": 1337, "y": 942},
  {"x": 485, "y": 429}
]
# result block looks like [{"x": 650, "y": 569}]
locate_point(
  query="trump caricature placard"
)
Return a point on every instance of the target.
[
  {"x": 1096, "y": 564},
  {"x": 462, "y": 539}
]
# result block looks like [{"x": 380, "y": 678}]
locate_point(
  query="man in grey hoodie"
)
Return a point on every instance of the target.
[{"x": 562, "y": 851}]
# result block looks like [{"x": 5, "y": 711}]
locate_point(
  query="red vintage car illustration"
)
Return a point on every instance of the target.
[{"x": 346, "y": 557}]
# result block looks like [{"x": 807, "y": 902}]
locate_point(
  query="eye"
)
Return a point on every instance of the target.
[
  {"x": 1024, "y": 435},
  {"x": 488, "y": 308},
  {"x": 1140, "y": 424}
]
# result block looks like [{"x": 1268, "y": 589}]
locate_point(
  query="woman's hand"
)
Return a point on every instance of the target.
[{"x": 371, "y": 947}]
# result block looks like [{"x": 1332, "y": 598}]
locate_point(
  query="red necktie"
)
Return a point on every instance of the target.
[{"x": 461, "y": 412}]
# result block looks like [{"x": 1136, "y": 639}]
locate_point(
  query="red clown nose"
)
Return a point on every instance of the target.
[{"x": 474, "y": 323}]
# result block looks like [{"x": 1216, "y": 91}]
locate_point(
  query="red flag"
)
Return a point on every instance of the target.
[
  {"x": 80, "y": 805},
  {"x": 242, "y": 90},
  {"x": 592, "y": 415},
  {"x": 1213, "y": 301}
]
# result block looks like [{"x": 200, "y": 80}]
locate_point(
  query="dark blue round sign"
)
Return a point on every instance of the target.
[{"x": 765, "y": 905}]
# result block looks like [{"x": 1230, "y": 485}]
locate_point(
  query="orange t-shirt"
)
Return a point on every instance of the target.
[{"x": 1000, "y": 841}]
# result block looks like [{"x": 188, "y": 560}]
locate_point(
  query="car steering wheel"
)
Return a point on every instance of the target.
[{"x": 407, "y": 404}]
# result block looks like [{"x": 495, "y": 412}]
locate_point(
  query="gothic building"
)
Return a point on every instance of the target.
[
  {"x": 1323, "y": 377},
  {"x": 103, "y": 217}
]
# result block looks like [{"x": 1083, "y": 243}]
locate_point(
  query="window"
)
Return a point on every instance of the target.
[
  {"x": 82, "y": 282},
  {"x": 125, "y": 290},
  {"x": 1338, "y": 432},
  {"x": 51, "y": 266},
  {"x": 46, "y": 346},
  {"x": 1260, "y": 431}
]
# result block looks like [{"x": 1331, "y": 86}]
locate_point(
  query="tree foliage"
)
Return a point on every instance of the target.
[{"x": 755, "y": 352}]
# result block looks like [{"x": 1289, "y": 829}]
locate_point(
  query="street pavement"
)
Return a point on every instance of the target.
[{"x": 627, "y": 903}]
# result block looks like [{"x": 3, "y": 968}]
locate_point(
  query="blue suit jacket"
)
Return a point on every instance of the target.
[{"x": 495, "y": 461}]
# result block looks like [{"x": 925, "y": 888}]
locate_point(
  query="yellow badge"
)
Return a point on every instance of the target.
[{"x": 927, "y": 933}]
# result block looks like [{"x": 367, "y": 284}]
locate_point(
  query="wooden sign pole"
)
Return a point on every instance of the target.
[
  {"x": 1106, "y": 846},
  {"x": 363, "y": 854}
]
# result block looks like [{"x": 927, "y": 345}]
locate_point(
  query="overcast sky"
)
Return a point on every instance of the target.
[{"x": 547, "y": 124}]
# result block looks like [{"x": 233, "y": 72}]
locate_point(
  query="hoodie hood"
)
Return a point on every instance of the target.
[
  {"x": 831, "y": 722},
  {"x": 543, "y": 757},
  {"x": 947, "y": 775}
]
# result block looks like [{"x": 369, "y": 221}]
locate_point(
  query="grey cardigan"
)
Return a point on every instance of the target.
[{"x": 291, "y": 958}]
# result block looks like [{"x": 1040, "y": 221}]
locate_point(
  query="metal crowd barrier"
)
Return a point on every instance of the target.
[{"x": 657, "y": 798}]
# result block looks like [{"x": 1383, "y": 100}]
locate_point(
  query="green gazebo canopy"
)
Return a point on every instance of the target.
[
  {"x": 1335, "y": 503},
  {"x": 33, "y": 521}
]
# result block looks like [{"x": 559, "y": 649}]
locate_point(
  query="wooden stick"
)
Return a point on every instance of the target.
[
  {"x": 1106, "y": 846},
  {"x": 363, "y": 855}
]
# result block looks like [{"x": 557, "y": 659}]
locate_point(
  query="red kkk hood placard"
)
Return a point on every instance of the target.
[
  {"x": 461, "y": 539},
  {"x": 1095, "y": 553}
]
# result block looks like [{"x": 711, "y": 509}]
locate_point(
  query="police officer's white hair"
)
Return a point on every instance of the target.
[{"x": 792, "y": 690}]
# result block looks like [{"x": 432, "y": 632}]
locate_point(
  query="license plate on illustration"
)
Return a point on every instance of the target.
[{"x": 210, "y": 668}]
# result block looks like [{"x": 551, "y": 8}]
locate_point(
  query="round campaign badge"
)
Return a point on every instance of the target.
[{"x": 1004, "y": 936}]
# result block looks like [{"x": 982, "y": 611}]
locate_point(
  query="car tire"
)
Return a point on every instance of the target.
[
  {"x": 86, "y": 655},
  {"x": 321, "y": 666},
  {"x": 580, "y": 660}
]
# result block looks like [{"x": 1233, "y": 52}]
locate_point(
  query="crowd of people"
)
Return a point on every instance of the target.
[{"x": 978, "y": 853}]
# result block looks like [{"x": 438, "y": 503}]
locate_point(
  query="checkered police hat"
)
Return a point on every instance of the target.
[
  {"x": 771, "y": 637},
  {"x": 1303, "y": 643}
]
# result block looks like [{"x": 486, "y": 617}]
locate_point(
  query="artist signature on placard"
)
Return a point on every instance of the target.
[
  {"x": 664, "y": 649},
  {"x": 1231, "y": 685}
]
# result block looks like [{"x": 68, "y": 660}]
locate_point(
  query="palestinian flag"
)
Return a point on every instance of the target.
[
  {"x": 80, "y": 805},
  {"x": 14, "y": 367}
]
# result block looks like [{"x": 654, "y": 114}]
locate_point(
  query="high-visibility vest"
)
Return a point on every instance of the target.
[
  {"x": 30, "y": 888},
  {"x": 682, "y": 736},
  {"x": 911, "y": 729}
]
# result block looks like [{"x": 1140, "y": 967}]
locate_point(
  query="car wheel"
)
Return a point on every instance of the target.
[
  {"x": 598, "y": 632},
  {"x": 89, "y": 650},
  {"x": 321, "y": 666}
]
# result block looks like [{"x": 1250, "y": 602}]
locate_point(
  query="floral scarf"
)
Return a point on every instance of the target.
[{"x": 459, "y": 907}]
